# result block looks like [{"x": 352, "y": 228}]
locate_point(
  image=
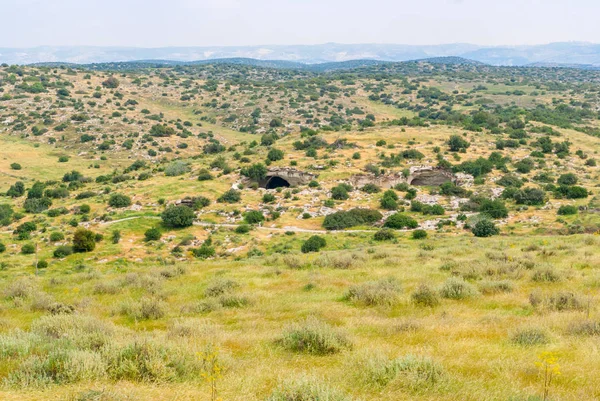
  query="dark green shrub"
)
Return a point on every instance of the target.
[
  {"x": 152, "y": 234},
  {"x": 254, "y": 217},
  {"x": 178, "y": 216},
  {"x": 399, "y": 221},
  {"x": 63, "y": 251},
  {"x": 385, "y": 234},
  {"x": 485, "y": 228},
  {"x": 351, "y": 218},
  {"x": 119, "y": 201},
  {"x": 28, "y": 249},
  {"x": 84, "y": 240},
  {"x": 566, "y": 210},
  {"x": 313, "y": 244},
  {"x": 230, "y": 196},
  {"x": 419, "y": 234}
]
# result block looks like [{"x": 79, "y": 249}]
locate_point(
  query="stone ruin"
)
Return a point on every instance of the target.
[
  {"x": 285, "y": 177},
  {"x": 418, "y": 176}
]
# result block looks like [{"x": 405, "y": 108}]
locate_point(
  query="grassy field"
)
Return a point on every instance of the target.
[{"x": 485, "y": 310}]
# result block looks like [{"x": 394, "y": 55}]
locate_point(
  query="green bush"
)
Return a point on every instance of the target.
[
  {"x": 230, "y": 196},
  {"x": 399, "y": 221},
  {"x": 306, "y": 389},
  {"x": 455, "y": 288},
  {"x": 178, "y": 216},
  {"x": 63, "y": 251},
  {"x": 425, "y": 296},
  {"x": 177, "y": 168},
  {"x": 385, "y": 234},
  {"x": 254, "y": 217},
  {"x": 314, "y": 337},
  {"x": 383, "y": 292},
  {"x": 119, "y": 201},
  {"x": 485, "y": 228},
  {"x": 419, "y": 234},
  {"x": 529, "y": 336},
  {"x": 313, "y": 244},
  {"x": 28, "y": 249},
  {"x": 56, "y": 236},
  {"x": 84, "y": 240},
  {"x": 351, "y": 218},
  {"x": 566, "y": 210},
  {"x": 152, "y": 234}
]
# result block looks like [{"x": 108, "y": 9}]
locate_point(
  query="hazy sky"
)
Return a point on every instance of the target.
[{"x": 155, "y": 23}]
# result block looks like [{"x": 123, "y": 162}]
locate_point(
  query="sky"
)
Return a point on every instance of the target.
[{"x": 162, "y": 23}]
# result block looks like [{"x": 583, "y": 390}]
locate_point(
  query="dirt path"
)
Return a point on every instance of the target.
[{"x": 277, "y": 229}]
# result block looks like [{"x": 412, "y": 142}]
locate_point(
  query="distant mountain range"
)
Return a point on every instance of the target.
[{"x": 572, "y": 54}]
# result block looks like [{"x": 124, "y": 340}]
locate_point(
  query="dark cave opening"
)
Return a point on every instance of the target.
[{"x": 276, "y": 182}]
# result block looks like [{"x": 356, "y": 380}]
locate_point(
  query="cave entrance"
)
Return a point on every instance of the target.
[
  {"x": 276, "y": 182},
  {"x": 435, "y": 179}
]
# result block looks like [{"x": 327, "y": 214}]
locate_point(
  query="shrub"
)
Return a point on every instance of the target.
[
  {"x": 340, "y": 192},
  {"x": 220, "y": 287},
  {"x": 545, "y": 276},
  {"x": 313, "y": 244},
  {"x": 425, "y": 296},
  {"x": 111, "y": 83},
  {"x": 152, "y": 234},
  {"x": 144, "y": 309},
  {"x": 371, "y": 188},
  {"x": 373, "y": 293},
  {"x": 56, "y": 236},
  {"x": 204, "y": 175},
  {"x": 456, "y": 143},
  {"x": 585, "y": 328},
  {"x": 566, "y": 210},
  {"x": 63, "y": 251},
  {"x": 275, "y": 155},
  {"x": 306, "y": 389},
  {"x": 410, "y": 372},
  {"x": 37, "y": 205},
  {"x": 455, "y": 288},
  {"x": 230, "y": 196},
  {"x": 385, "y": 234},
  {"x": 529, "y": 336},
  {"x": 256, "y": 172},
  {"x": 84, "y": 240},
  {"x": 530, "y": 197},
  {"x": 15, "y": 166},
  {"x": 314, "y": 337},
  {"x": 351, "y": 218},
  {"x": 204, "y": 252},
  {"x": 177, "y": 168},
  {"x": 178, "y": 216},
  {"x": 399, "y": 221},
  {"x": 254, "y": 217},
  {"x": 119, "y": 201},
  {"x": 28, "y": 249},
  {"x": 567, "y": 179},
  {"x": 419, "y": 234},
  {"x": 485, "y": 228},
  {"x": 496, "y": 209},
  {"x": 389, "y": 200},
  {"x": 243, "y": 229},
  {"x": 496, "y": 287}
]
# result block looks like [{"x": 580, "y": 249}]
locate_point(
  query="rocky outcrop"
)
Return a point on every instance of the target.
[
  {"x": 286, "y": 177},
  {"x": 418, "y": 176},
  {"x": 429, "y": 176}
]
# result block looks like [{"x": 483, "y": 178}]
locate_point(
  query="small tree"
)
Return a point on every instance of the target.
[
  {"x": 313, "y": 244},
  {"x": 456, "y": 143},
  {"x": 119, "y": 201},
  {"x": 111, "y": 83},
  {"x": 178, "y": 216},
  {"x": 84, "y": 240},
  {"x": 152, "y": 234},
  {"x": 485, "y": 228}
]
